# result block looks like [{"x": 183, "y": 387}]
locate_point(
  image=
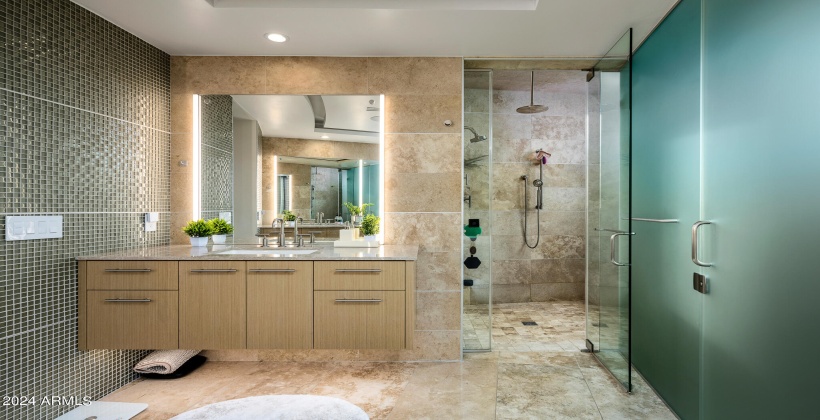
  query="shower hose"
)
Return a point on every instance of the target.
[{"x": 537, "y": 220}]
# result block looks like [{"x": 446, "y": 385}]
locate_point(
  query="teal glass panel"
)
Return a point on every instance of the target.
[
  {"x": 609, "y": 113},
  {"x": 761, "y": 148},
  {"x": 667, "y": 311}
]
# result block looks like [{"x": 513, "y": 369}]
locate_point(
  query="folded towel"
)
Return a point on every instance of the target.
[{"x": 164, "y": 361}]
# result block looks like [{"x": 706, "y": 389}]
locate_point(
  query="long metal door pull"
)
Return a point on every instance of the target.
[
  {"x": 214, "y": 270},
  {"x": 358, "y": 270},
  {"x": 357, "y": 300},
  {"x": 128, "y": 270},
  {"x": 695, "y": 241},
  {"x": 127, "y": 300}
]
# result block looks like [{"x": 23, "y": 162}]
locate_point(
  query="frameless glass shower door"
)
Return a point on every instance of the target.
[
  {"x": 608, "y": 205},
  {"x": 477, "y": 187}
]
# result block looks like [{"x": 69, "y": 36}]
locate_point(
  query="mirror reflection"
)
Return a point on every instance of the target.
[{"x": 262, "y": 155}]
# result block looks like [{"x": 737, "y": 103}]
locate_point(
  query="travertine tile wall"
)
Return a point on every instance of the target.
[
  {"x": 555, "y": 269},
  {"x": 422, "y": 167},
  {"x": 84, "y": 120}
]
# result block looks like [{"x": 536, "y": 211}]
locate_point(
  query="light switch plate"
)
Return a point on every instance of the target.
[
  {"x": 151, "y": 220},
  {"x": 21, "y": 228}
]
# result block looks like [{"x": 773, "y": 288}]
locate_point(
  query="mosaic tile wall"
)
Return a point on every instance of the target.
[
  {"x": 217, "y": 155},
  {"x": 84, "y": 133}
]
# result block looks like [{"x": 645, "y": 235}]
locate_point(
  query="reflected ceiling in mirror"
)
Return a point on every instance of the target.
[{"x": 352, "y": 118}]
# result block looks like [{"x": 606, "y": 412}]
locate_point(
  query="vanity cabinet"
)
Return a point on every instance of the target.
[
  {"x": 254, "y": 304},
  {"x": 280, "y": 304},
  {"x": 128, "y": 305},
  {"x": 363, "y": 304},
  {"x": 212, "y": 307}
]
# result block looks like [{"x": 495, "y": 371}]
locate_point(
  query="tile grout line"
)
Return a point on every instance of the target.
[{"x": 86, "y": 110}]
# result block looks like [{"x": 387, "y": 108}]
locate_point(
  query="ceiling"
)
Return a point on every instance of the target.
[
  {"x": 556, "y": 28},
  {"x": 291, "y": 116}
]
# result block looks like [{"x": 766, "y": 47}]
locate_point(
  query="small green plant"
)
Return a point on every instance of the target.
[
  {"x": 370, "y": 225},
  {"x": 288, "y": 216},
  {"x": 220, "y": 227},
  {"x": 356, "y": 210},
  {"x": 198, "y": 229}
]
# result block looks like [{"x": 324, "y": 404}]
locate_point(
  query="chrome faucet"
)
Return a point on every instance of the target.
[
  {"x": 296, "y": 239},
  {"x": 281, "y": 230}
]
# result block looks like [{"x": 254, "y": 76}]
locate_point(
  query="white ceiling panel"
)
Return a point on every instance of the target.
[{"x": 556, "y": 28}]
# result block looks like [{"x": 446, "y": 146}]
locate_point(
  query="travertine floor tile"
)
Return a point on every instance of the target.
[{"x": 534, "y": 372}]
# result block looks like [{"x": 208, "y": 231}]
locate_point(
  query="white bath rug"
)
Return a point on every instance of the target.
[{"x": 278, "y": 407}]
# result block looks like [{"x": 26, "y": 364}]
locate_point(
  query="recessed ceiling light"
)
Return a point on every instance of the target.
[
  {"x": 325, "y": 137},
  {"x": 276, "y": 37}
]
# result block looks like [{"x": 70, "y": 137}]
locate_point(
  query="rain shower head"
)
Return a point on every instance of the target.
[
  {"x": 476, "y": 138},
  {"x": 532, "y": 108}
]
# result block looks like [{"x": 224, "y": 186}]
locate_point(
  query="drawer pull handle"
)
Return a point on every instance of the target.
[
  {"x": 271, "y": 270},
  {"x": 357, "y": 300},
  {"x": 358, "y": 270},
  {"x": 128, "y": 300},
  {"x": 214, "y": 270},
  {"x": 128, "y": 270}
]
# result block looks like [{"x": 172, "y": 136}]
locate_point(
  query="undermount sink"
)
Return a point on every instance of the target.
[{"x": 267, "y": 252}]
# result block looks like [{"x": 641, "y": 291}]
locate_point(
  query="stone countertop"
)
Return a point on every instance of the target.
[{"x": 324, "y": 252}]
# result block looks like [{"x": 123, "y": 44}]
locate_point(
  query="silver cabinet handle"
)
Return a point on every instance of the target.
[
  {"x": 641, "y": 219},
  {"x": 695, "y": 241},
  {"x": 271, "y": 270},
  {"x": 612, "y": 248},
  {"x": 358, "y": 270},
  {"x": 214, "y": 270},
  {"x": 128, "y": 270},
  {"x": 127, "y": 300},
  {"x": 357, "y": 300}
]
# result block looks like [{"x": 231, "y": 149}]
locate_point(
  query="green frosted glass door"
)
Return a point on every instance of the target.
[
  {"x": 608, "y": 244},
  {"x": 666, "y": 310},
  {"x": 761, "y": 144}
]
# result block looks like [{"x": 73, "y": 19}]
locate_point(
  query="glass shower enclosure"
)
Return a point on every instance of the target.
[
  {"x": 609, "y": 230},
  {"x": 477, "y": 207}
]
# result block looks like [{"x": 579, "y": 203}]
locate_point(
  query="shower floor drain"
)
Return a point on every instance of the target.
[{"x": 529, "y": 323}]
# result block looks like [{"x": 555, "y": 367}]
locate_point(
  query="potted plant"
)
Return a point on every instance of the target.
[
  {"x": 220, "y": 229},
  {"x": 356, "y": 211},
  {"x": 199, "y": 231},
  {"x": 289, "y": 217},
  {"x": 370, "y": 227}
]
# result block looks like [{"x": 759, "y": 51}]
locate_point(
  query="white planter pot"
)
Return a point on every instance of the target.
[
  {"x": 219, "y": 239},
  {"x": 290, "y": 224},
  {"x": 370, "y": 238},
  {"x": 199, "y": 241}
]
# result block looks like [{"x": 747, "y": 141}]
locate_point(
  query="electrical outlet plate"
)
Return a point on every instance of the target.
[{"x": 22, "y": 228}]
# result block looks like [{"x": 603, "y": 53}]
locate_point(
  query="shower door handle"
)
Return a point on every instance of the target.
[
  {"x": 612, "y": 248},
  {"x": 695, "y": 241}
]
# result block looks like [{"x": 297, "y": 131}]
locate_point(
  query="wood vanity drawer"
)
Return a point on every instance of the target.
[
  {"x": 359, "y": 320},
  {"x": 132, "y": 319},
  {"x": 280, "y": 304},
  {"x": 359, "y": 275},
  {"x": 132, "y": 275}
]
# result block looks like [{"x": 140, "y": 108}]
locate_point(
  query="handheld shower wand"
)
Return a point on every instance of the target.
[{"x": 539, "y": 197}]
